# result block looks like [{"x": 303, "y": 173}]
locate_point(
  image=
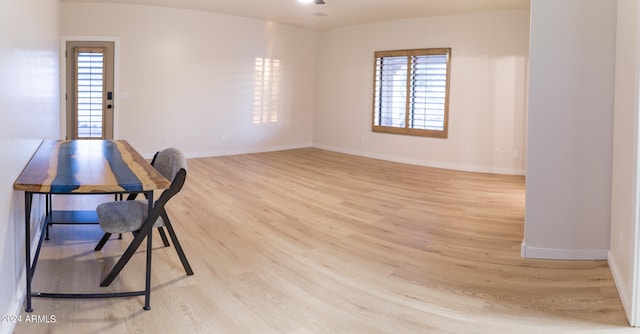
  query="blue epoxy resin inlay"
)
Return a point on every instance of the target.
[
  {"x": 65, "y": 180},
  {"x": 73, "y": 157},
  {"x": 125, "y": 177}
]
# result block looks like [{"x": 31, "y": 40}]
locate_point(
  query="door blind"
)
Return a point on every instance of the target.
[{"x": 90, "y": 92}]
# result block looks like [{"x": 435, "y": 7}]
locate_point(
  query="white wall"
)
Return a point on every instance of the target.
[
  {"x": 487, "y": 90},
  {"x": 193, "y": 70},
  {"x": 568, "y": 196},
  {"x": 624, "y": 197},
  {"x": 187, "y": 78},
  {"x": 29, "y": 92}
]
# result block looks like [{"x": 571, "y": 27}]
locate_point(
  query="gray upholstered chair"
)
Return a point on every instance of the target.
[{"x": 129, "y": 215}]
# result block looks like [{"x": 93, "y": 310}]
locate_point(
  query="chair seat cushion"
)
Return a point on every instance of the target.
[{"x": 124, "y": 216}]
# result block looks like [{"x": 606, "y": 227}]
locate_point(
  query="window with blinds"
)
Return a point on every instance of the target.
[
  {"x": 411, "y": 92},
  {"x": 266, "y": 90},
  {"x": 90, "y": 88}
]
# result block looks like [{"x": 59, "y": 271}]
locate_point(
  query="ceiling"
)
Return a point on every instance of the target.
[{"x": 333, "y": 14}]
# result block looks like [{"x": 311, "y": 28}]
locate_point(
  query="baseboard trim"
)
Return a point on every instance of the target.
[
  {"x": 425, "y": 163},
  {"x": 247, "y": 150},
  {"x": 417, "y": 162},
  {"x": 531, "y": 252}
]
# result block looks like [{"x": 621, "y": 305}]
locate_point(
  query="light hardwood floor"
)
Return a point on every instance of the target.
[{"x": 312, "y": 241}]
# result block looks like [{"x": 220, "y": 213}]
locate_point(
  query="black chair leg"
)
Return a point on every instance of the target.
[
  {"x": 176, "y": 244},
  {"x": 124, "y": 259},
  {"x": 163, "y": 235},
  {"x": 102, "y": 241}
]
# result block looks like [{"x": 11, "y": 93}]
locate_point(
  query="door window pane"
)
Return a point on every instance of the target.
[{"x": 90, "y": 88}]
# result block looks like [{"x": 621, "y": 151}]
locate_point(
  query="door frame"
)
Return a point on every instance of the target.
[{"x": 116, "y": 79}]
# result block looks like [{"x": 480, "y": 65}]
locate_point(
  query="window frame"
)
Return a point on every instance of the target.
[{"x": 408, "y": 129}]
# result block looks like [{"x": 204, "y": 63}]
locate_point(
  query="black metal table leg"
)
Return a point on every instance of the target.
[
  {"x": 28, "y": 197},
  {"x": 147, "y": 296}
]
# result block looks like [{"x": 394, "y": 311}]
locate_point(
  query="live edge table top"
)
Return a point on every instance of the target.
[{"x": 88, "y": 166}]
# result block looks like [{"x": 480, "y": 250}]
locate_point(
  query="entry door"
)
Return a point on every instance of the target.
[{"x": 89, "y": 93}]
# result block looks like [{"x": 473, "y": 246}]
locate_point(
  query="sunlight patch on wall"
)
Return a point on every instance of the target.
[{"x": 266, "y": 91}]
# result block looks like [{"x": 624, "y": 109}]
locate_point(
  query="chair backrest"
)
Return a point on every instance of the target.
[
  {"x": 172, "y": 164},
  {"x": 174, "y": 188},
  {"x": 168, "y": 162}
]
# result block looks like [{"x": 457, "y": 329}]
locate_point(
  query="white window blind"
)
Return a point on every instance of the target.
[
  {"x": 391, "y": 91},
  {"x": 266, "y": 90},
  {"x": 90, "y": 91},
  {"x": 411, "y": 92}
]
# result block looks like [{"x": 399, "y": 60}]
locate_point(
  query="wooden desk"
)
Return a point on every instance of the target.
[{"x": 86, "y": 167}]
